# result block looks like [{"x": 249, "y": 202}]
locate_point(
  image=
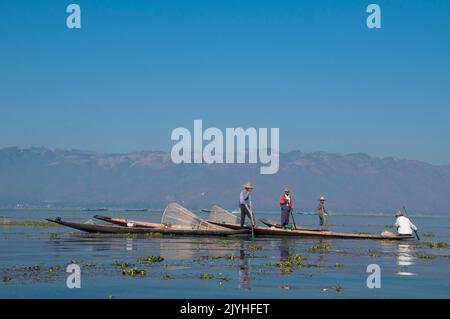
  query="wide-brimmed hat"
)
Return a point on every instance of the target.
[
  {"x": 398, "y": 214},
  {"x": 322, "y": 198},
  {"x": 248, "y": 185},
  {"x": 286, "y": 189}
]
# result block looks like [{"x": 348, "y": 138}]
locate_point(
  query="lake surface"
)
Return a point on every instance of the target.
[{"x": 221, "y": 267}]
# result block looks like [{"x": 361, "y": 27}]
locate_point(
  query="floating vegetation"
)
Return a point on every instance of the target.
[
  {"x": 320, "y": 248},
  {"x": 438, "y": 245},
  {"x": 446, "y": 256},
  {"x": 150, "y": 259},
  {"x": 134, "y": 271},
  {"x": 153, "y": 235},
  {"x": 123, "y": 264},
  {"x": 30, "y": 224},
  {"x": 230, "y": 257},
  {"x": 206, "y": 276},
  {"x": 34, "y": 268},
  {"x": 254, "y": 247},
  {"x": 372, "y": 253},
  {"x": 89, "y": 265},
  {"x": 337, "y": 288},
  {"x": 294, "y": 261},
  {"x": 216, "y": 257},
  {"x": 6, "y": 279},
  {"x": 389, "y": 226},
  {"x": 54, "y": 236},
  {"x": 167, "y": 276},
  {"x": 428, "y": 234},
  {"x": 422, "y": 255},
  {"x": 54, "y": 268}
]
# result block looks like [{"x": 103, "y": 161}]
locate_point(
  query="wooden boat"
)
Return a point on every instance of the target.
[
  {"x": 230, "y": 226},
  {"x": 128, "y": 222},
  {"x": 110, "y": 229},
  {"x": 272, "y": 223},
  {"x": 272, "y": 231}
]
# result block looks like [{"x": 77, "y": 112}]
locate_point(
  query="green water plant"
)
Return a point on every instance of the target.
[
  {"x": 54, "y": 268},
  {"x": 134, "y": 271},
  {"x": 206, "y": 276},
  {"x": 34, "y": 268},
  {"x": 167, "y": 276},
  {"x": 54, "y": 236},
  {"x": 422, "y": 255},
  {"x": 437, "y": 245},
  {"x": 29, "y": 223},
  {"x": 372, "y": 253},
  {"x": 150, "y": 259},
  {"x": 428, "y": 234},
  {"x": 322, "y": 248}
]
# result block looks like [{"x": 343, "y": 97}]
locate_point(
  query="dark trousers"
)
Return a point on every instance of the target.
[
  {"x": 285, "y": 217},
  {"x": 244, "y": 212}
]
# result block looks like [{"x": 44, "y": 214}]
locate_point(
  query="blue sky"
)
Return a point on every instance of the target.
[{"x": 138, "y": 69}]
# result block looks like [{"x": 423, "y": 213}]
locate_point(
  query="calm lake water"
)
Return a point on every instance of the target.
[{"x": 216, "y": 267}]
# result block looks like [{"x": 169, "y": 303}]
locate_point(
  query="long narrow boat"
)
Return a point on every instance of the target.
[
  {"x": 109, "y": 229},
  {"x": 272, "y": 223},
  {"x": 272, "y": 231},
  {"x": 128, "y": 222}
]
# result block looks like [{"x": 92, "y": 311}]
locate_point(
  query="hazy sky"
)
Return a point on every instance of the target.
[{"x": 138, "y": 69}]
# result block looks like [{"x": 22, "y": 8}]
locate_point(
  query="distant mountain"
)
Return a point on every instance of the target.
[{"x": 351, "y": 182}]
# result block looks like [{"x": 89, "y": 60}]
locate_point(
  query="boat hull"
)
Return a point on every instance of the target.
[{"x": 110, "y": 229}]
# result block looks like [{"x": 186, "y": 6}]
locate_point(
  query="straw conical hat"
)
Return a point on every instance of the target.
[{"x": 248, "y": 185}]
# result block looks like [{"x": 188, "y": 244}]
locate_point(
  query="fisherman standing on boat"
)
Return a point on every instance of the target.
[
  {"x": 245, "y": 203},
  {"x": 404, "y": 225},
  {"x": 322, "y": 212},
  {"x": 287, "y": 206}
]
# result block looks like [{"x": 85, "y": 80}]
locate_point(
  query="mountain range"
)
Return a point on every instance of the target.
[{"x": 350, "y": 182}]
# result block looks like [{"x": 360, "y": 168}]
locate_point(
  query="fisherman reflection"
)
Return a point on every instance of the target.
[
  {"x": 285, "y": 253},
  {"x": 405, "y": 259},
  {"x": 244, "y": 277}
]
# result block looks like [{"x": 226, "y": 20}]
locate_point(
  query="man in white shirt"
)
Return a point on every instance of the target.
[{"x": 404, "y": 225}]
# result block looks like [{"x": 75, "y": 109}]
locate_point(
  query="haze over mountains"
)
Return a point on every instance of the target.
[{"x": 351, "y": 182}]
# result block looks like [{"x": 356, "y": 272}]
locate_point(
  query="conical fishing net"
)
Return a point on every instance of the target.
[
  {"x": 220, "y": 215},
  {"x": 176, "y": 215}
]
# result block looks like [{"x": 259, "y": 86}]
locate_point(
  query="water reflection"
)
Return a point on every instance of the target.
[
  {"x": 405, "y": 259},
  {"x": 244, "y": 276}
]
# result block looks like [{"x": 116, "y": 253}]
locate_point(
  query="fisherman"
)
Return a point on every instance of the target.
[
  {"x": 245, "y": 203},
  {"x": 322, "y": 212},
  {"x": 404, "y": 225},
  {"x": 287, "y": 206}
]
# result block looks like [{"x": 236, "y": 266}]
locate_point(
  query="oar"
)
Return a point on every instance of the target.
[
  {"x": 407, "y": 215},
  {"x": 292, "y": 214},
  {"x": 252, "y": 220}
]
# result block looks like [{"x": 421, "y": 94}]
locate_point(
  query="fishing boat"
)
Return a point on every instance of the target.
[
  {"x": 128, "y": 222},
  {"x": 272, "y": 223},
  {"x": 272, "y": 231},
  {"x": 110, "y": 229}
]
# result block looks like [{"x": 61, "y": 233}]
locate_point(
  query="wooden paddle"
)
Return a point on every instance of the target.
[
  {"x": 252, "y": 220},
  {"x": 407, "y": 215},
  {"x": 293, "y": 220}
]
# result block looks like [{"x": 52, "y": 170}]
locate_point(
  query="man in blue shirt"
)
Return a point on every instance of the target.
[{"x": 245, "y": 203}]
